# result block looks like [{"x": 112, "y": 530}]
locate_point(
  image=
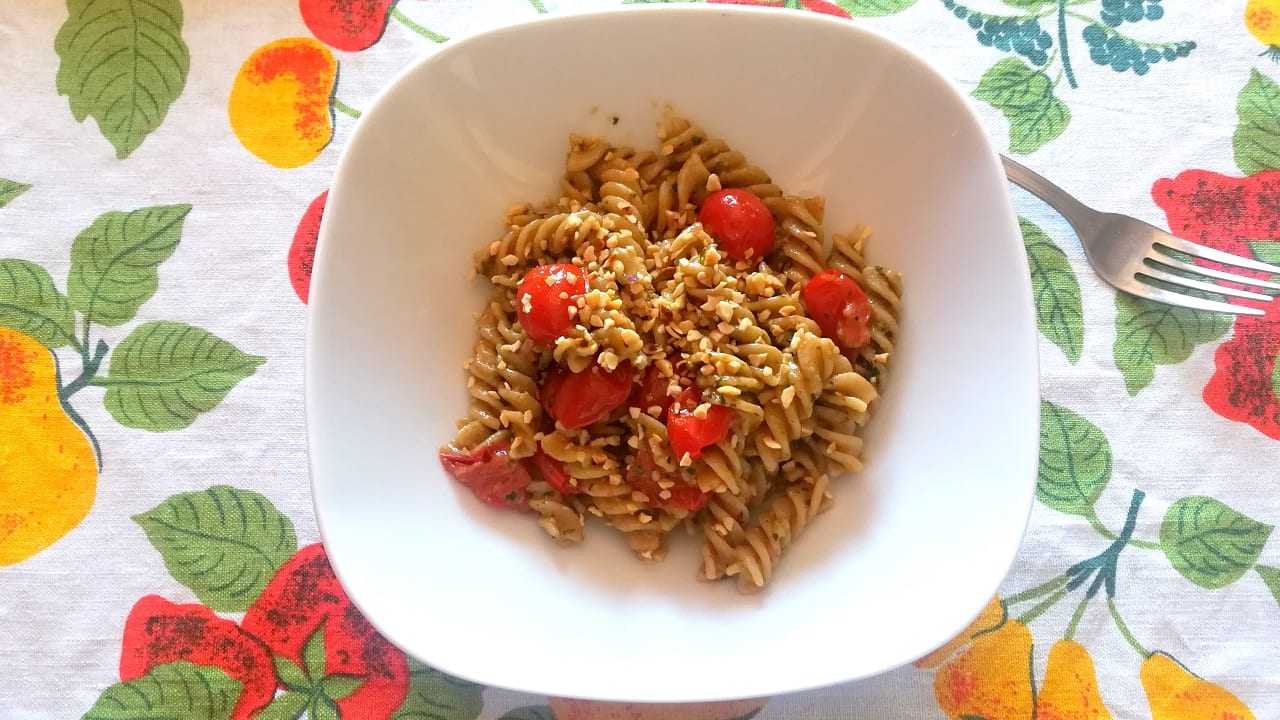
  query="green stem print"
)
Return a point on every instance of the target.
[
  {"x": 346, "y": 109},
  {"x": 1125, "y": 632},
  {"x": 1020, "y": 87},
  {"x": 1074, "y": 623},
  {"x": 1102, "y": 567},
  {"x": 537, "y": 5},
  {"x": 1064, "y": 45},
  {"x": 404, "y": 20},
  {"x": 1096, "y": 522},
  {"x": 160, "y": 377}
]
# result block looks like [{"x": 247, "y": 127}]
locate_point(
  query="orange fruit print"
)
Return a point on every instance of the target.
[{"x": 280, "y": 104}]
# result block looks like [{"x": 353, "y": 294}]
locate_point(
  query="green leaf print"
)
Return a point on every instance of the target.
[
  {"x": 873, "y": 8},
  {"x": 1275, "y": 377},
  {"x": 1026, "y": 98},
  {"x": 1257, "y": 136},
  {"x": 1150, "y": 334},
  {"x": 1268, "y": 251},
  {"x": 1057, "y": 292},
  {"x": 123, "y": 62},
  {"x": 1270, "y": 576},
  {"x": 434, "y": 695},
  {"x": 322, "y": 708},
  {"x": 31, "y": 304},
  {"x": 314, "y": 661},
  {"x": 1209, "y": 543},
  {"x": 170, "y": 691},
  {"x": 114, "y": 261},
  {"x": 1075, "y": 461},
  {"x": 10, "y": 189},
  {"x": 337, "y": 687},
  {"x": 286, "y": 706},
  {"x": 165, "y": 374},
  {"x": 529, "y": 712},
  {"x": 223, "y": 543},
  {"x": 1029, "y": 5},
  {"x": 291, "y": 676}
]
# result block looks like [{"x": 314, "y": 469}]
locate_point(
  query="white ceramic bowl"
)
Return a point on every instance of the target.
[{"x": 914, "y": 546}]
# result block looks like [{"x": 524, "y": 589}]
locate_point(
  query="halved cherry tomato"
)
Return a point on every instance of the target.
[
  {"x": 579, "y": 399},
  {"x": 652, "y": 392},
  {"x": 552, "y": 470},
  {"x": 681, "y": 494},
  {"x": 689, "y": 433},
  {"x": 491, "y": 474},
  {"x": 840, "y": 308},
  {"x": 739, "y": 222},
  {"x": 543, "y": 300}
]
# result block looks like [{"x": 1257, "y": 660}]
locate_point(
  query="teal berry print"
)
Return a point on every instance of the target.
[{"x": 1038, "y": 34}]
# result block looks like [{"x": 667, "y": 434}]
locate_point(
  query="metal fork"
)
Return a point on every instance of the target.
[{"x": 1130, "y": 254}]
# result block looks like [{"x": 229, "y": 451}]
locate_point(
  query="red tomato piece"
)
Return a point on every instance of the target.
[
  {"x": 552, "y": 387},
  {"x": 577, "y": 400},
  {"x": 491, "y": 474},
  {"x": 682, "y": 494},
  {"x": 544, "y": 298},
  {"x": 840, "y": 308},
  {"x": 652, "y": 392},
  {"x": 689, "y": 433},
  {"x": 552, "y": 470},
  {"x": 740, "y": 223}
]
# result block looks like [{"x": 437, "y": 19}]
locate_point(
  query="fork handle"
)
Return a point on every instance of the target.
[{"x": 1076, "y": 212}]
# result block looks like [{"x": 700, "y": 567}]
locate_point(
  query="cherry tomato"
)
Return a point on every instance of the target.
[
  {"x": 543, "y": 300},
  {"x": 552, "y": 387},
  {"x": 682, "y": 494},
  {"x": 553, "y": 472},
  {"x": 491, "y": 474},
  {"x": 840, "y": 308},
  {"x": 689, "y": 433},
  {"x": 577, "y": 400},
  {"x": 740, "y": 223},
  {"x": 651, "y": 392}
]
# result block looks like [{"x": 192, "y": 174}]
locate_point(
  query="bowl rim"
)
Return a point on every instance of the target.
[{"x": 456, "y": 45}]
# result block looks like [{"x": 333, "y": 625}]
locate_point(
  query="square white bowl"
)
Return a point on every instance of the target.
[{"x": 915, "y": 544}]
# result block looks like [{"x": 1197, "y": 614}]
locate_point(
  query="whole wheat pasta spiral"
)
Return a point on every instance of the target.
[{"x": 640, "y": 363}]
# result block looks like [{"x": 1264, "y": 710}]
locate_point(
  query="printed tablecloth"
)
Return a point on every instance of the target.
[{"x": 164, "y": 168}]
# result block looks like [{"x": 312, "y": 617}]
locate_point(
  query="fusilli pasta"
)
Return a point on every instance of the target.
[{"x": 637, "y": 364}]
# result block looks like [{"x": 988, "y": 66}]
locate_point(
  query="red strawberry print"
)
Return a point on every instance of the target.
[
  {"x": 350, "y": 25},
  {"x": 818, "y": 6},
  {"x": 158, "y": 631},
  {"x": 1229, "y": 213},
  {"x": 302, "y": 252},
  {"x": 304, "y": 596}
]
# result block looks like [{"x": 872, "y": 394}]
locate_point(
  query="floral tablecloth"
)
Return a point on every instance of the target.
[{"x": 163, "y": 172}]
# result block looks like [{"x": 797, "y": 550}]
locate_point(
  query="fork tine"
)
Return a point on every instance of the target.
[
  {"x": 1159, "y": 257},
  {"x": 1156, "y": 273},
  {"x": 1190, "y": 301},
  {"x": 1208, "y": 253}
]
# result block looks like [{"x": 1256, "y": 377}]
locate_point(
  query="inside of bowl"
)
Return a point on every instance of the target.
[{"x": 914, "y": 545}]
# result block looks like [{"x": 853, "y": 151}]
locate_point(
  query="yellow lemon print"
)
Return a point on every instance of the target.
[
  {"x": 48, "y": 474},
  {"x": 991, "y": 678},
  {"x": 1176, "y": 694},
  {"x": 280, "y": 105},
  {"x": 1070, "y": 689},
  {"x": 1262, "y": 17}
]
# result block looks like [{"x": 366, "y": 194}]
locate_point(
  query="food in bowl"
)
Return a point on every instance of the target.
[{"x": 672, "y": 342}]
